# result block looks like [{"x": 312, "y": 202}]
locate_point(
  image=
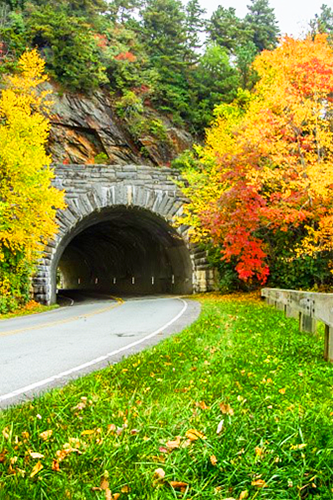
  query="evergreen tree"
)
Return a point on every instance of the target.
[
  {"x": 195, "y": 25},
  {"x": 164, "y": 36},
  {"x": 215, "y": 81},
  {"x": 164, "y": 29},
  {"x": 121, "y": 11},
  {"x": 323, "y": 23},
  {"x": 226, "y": 29},
  {"x": 245, "y": 55},
  {"x": 262, "y": 25}
]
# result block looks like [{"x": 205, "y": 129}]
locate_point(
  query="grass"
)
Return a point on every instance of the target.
[
  {"x": 31, "y": 307},
  {"x": 105, "y": 435}
]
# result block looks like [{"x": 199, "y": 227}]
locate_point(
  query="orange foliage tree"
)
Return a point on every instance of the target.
[{"x": 267, "y": 165}]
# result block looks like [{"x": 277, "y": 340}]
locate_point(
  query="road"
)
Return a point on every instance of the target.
[{"x": 47, "y": 350}]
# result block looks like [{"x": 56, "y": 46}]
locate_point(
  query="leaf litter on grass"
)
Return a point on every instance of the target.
[{"x": 135, "y": 426}]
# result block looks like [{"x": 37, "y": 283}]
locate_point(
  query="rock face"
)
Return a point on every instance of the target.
[{"x": 84, "y": 127}]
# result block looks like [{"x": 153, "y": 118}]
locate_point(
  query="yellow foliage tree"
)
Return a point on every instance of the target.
[{"x": 28, "y": 201}]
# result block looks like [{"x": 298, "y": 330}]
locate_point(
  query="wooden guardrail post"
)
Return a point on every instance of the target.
[
  {"x": 328, "y": 349},
  {"x": 307, "y": 323}
]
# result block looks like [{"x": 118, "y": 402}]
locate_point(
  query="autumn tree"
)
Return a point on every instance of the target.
[
  {"x": 28, "y": 202},
  {"x": 265, "y": 173}
]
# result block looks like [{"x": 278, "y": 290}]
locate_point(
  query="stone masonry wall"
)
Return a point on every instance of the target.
[{"x": 91, "y": 188}]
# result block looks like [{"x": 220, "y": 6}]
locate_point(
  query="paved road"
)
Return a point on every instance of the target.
[{"x": 48, "y": 349}]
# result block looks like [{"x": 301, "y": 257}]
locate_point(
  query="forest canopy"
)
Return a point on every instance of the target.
[{"x": 169, "y": 54}]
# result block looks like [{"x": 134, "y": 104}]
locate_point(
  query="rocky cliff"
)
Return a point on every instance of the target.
[{"x": 87, "y": 129}]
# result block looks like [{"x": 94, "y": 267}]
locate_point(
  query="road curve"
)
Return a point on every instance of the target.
[{"x": 47, "y": 350}]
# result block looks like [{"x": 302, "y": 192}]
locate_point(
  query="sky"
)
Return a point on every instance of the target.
[{"x": 292, "y": 15}]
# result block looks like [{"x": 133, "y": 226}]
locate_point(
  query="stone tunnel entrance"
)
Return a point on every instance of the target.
[
  {"x": 124, "y": 250},
  {"x": 118, "y": 235}
]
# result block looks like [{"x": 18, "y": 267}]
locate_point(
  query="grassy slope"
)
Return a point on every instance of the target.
[{"x": 277, "y": 436}]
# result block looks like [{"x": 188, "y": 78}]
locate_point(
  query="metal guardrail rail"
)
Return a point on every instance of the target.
[{"x": 309, "y": 308}]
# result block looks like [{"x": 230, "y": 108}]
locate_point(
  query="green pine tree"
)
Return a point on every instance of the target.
[{"x": 262, "y": 25}]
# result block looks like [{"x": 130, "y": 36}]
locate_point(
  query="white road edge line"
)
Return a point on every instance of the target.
[{"x": 41, "y": 383}]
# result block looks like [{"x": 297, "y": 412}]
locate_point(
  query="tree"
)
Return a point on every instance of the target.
[
  {"x": 323, "y": 23},
  {"x": 69, "y": 46},
  {"x": 195, "y": 24},
  {"x": 266, "y": 168},
  {"x": 28, "y": 202},
  {"x": 226, "y": 29},
  {"x": 262, "y": 25},
  {"x": 164, "y": 29},
  {"x": 215, "y": 81},
  {"x": 164, "y": 37},
  {"x": 245, "y": 55}
]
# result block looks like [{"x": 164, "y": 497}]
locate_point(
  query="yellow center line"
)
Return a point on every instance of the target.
[{"x": 63, "y": 321}]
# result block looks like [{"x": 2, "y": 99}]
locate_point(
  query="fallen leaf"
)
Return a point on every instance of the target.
[
  {"x": 21, "y": 472},
  {"x": 115, "y": 496},
  {"x": 173, "y": 444},
  {"x": 35, "y": 454},
  {"x": 3, "y": 456},
  {"x": 259, "y": 451},
  {"x": 244, "y": 495},
  {"x": 202, "y": 405},
  {"x": 104, "y": 484},
  {"x": 37, "y": 468},
  {"x": 213, "y": 460},
  {"x": 61, "y": 454},
  {"x": 111, "y": 428},
  {"x": 5, "y": 432},
  {"x": 108, "y": 494},
  {"x": 159, "y": 473},
  {"x": 79, "y": 407},
  {"x": 282, "y": 391},
  {"x": 46, "y": 434},
  {"x": 186, "y": 443},
  {"x": 298, "y": 446},
  {"x": 220, "y": 427},
  {"x": 88, "y": 432},
  {"x": 226, "y": 409},
  {"x": 179, "y": 485},
  {"x": 67, "y": 449},
  {"x": 162, "y": 449},
  {"x": 260, "y": 483},
  {"x": 125, "y": 489},
  {"x": 194, "y": 435},
  {"x": 55, "y": 465}
]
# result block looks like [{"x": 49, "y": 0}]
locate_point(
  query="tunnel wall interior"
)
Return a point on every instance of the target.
[{"x": 124, "y": 250}]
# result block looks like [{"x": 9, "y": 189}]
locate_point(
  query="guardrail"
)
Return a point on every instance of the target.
[{"x": 308, "y": 308}]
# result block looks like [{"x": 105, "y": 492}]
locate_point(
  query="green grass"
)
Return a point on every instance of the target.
[
  {"x": 35, "y": 308},
  {"x": 277, "y": 432}
]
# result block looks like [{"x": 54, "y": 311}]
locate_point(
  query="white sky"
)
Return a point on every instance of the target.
[{"x": 293, "y": 16}]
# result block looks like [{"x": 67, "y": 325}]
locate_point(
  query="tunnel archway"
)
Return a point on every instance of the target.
[
  {"x": 121, "y": 223},
  {"x": 124, "y": 250}
]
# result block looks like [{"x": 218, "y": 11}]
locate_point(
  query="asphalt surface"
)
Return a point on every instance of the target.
[{"x": 47, "y": 350}]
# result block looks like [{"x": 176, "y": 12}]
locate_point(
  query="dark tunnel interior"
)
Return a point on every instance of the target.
[{"x": 125, "y": 251}]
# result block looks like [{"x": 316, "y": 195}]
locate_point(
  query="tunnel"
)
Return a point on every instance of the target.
[{"x": 123, "y": 251}]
